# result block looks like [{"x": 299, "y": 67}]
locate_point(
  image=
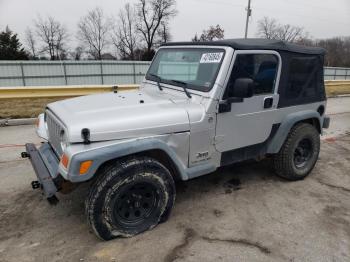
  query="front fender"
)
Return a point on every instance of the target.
[
  {"x": 100, "y": 155},
  {"x": 277, "y": 141}
]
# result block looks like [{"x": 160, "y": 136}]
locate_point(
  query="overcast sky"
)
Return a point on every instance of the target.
[{"x": 321, "y": 18}]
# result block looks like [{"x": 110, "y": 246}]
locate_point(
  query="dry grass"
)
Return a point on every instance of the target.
[
  {"x": 24, "y": 107},
  {"x": 32, "y": 107},
  {"x": 333, "y": 90}
]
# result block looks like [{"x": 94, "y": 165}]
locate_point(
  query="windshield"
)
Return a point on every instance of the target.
[{"x": 196, "y": 67}]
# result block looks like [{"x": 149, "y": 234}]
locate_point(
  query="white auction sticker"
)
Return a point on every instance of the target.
[{"x": 211, "y": 58}]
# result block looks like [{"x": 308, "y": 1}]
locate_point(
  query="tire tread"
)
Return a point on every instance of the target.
[
  {"x": 282, "y": 160},
  {"x": 108, "y": 174}
]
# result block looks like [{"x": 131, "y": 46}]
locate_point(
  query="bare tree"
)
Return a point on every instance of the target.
[
  {"x": 213, "y": 33},
  {"x": 164, "y": 32},
  {"x": 125, "y": 36},
  {"x": 267, "y": 28},
  {"x": 53, "y": 35},
  {"x": 77, "y": 53},
  {"x": 93, "y": 32},
  {"x": 31, "y": 43},
  {"x": 195, "y": 38},
  {"x": 270, "y": 28},
  {"x": 290, "y": 33},
  {"x": 338, "y": 51},
  {"x": 150, "y": 15}
]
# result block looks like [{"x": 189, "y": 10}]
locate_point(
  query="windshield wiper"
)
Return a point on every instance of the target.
[
  {"x": 184, "y": 86},
  {"x": 158, "y": 81}
]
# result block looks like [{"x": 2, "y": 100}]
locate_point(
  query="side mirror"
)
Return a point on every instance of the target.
[{"x": 243, "y": 88}]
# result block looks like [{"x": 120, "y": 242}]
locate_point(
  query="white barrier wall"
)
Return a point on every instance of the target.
[
  {"x": 47, "y": 73},
  {"x": 56, "y": 73}
]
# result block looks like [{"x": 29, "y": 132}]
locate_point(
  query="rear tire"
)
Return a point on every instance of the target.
[
  {"x": 129, "y": 197},
  {"x": 299, "y": 153}
]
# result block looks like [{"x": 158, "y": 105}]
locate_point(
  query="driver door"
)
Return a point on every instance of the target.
[{"x": 250, "y": 121}]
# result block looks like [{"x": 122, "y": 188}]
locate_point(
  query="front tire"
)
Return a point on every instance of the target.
[
  {"x": 299, "y": 153},
  {"x": 129, "y": 196}
]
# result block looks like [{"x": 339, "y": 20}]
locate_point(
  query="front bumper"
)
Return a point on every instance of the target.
[{"x": 45, "y": 164}]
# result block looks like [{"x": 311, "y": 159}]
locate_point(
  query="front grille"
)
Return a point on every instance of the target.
[{"x": 54, "y": 128}]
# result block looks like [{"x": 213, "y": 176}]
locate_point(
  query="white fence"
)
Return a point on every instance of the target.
[
  {"x": 56, "y": 73},
  {"x": 48, "y": 73},
  {"x": 336, "y": 73}
]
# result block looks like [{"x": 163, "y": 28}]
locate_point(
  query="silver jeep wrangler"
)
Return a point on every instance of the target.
[{"x": 201, "y": 106}]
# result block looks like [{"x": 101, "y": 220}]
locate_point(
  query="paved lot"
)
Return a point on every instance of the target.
[{"x": 239, "y": 213}]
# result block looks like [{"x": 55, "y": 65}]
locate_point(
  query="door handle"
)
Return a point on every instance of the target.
[{"x": 268, "y": 102}]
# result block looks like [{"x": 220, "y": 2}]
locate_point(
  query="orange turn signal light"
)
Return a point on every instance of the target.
[
  {"x": 64, "y": 160},
  {"x": 84, "y": 167}
]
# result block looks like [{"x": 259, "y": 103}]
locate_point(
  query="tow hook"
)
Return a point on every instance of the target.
[
  {"x": 24, "y": 155},
  {"x": 36, "y": 184}
]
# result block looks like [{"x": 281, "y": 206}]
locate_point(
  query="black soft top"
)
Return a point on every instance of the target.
[{"x": 256, "y": 43}]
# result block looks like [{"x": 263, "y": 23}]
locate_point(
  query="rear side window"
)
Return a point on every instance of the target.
[
  {"x": 301, "y": 79},
  {"x": 261, "y": 68},
  {"x": 304, "y": 77}
]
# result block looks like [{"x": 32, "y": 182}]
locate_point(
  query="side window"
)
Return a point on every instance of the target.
[
  {"x": 261, "y": 68},
  {"x": 303, "y": 77}
]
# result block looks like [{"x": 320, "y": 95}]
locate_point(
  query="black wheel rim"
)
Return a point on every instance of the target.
[
  {"x": 135, "y": 203},
  {"x": 303, "y": 153}
]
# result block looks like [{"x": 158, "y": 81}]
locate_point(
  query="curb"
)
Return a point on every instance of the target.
[
  {"x": 339, "y": 96},
  {"x": 17, "y": 122},
  {"x": 344, "y": 95}
]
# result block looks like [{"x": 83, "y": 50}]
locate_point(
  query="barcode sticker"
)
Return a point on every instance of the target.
[{"x": 211, "y": 58}]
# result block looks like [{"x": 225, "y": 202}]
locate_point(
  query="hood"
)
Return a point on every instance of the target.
[{"x": 121, "y": 115}]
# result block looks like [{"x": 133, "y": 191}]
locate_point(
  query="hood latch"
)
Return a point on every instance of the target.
[{"x": 85, "y": 134}]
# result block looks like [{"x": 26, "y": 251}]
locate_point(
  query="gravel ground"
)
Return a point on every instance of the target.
[{"x": 238, "y": 213}]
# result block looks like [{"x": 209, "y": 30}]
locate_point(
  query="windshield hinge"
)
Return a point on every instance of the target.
[{"x": 219, "y": 139}]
